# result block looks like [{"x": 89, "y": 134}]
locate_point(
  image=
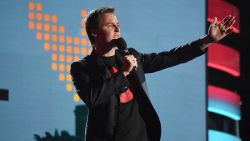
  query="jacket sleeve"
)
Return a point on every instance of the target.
[
  {"x": 157, "y": 61},
  {"x": 94, "y": 90}
]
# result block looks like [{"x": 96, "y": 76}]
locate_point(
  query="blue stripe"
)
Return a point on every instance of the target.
[
  {"x": 214, "y": 135},
  {"x": 223, "y": 108}
]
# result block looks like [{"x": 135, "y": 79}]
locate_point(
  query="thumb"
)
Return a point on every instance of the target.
[{"x": 214, "y": 21}]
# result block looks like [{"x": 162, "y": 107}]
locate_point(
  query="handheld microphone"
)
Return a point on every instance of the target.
[{"x": 122, "y": 45}]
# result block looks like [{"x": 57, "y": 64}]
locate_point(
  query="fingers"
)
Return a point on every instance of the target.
[
  {"x": 130, "y": 63},
  {"x": 230, "y": 22},
  {"x": 214, "y": 21},
  {"x": 226, "y": 19},
  {"x": 230, "y": 30},
  {"x": 132, "y": 60},
  {"x": 226, "y": 23}
]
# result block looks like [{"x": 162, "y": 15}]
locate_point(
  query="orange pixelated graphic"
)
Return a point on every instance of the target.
[
  {"x": 83, "y": 50},
  {"x": 39, "y": 26},
  {"x": 61, "y": 38},
  {"x": 68, "y": 77},
  {"x": 61, "y": 29},
  {"x": 31, "y": 6},
  {"x": 84, "y": 42},
  {"x": 39, "y": 7},
  {"x": 46, "y": 36},
  {"x": 61, "y": 67},
  {"x": 31, "y": 15},
  {"x": 68, "y": 68},
  {"x": 46, "y": 46},
  {"x": 54, "y": 37},
  {"x": 39, "y": 16},
  {"x": 76, "y": 58},
  {"x": 69, "y": 49},
  {"x": 76, "y": 40},
  {"x": 46, "y": 17},
  {"x": 54, "y": 19},
  {"x": 83, "y": 32},
  {"x": 46, "y": 27},
  {"x": 54, "y": 47},
  {"x": 31, "y": 25},
  {"x": 39, "y": 35},
  {"x": 54, "y": 66},
  {"x": 76, "y": 50},
  {"x": 76, "y": 98},
  {"x": 69, "y": 39},
  {"x": 69, "y": 58},
  {"x": 53, "y": 56},
  {"x": 83, "y": 23},
  {"x": 54, "y": 28},
  {"x": 61, "y": 76},
  {"x": 61, "y": 58},
  {"x": 69, "y": 87},
  {"x": 63, "y": 48},
  {"x": 83, "y": 13}
]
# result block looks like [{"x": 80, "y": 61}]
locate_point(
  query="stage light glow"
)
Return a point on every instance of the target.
[
  {"x": 224, "y": 58},
  {"x": 224, "y": 102}
]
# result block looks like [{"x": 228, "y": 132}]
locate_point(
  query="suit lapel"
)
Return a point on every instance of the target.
[
  {"x": 99, "y": 66},
  {"x": 119, "y": 58}
]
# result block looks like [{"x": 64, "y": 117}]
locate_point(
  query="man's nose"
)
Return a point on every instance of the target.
[{"x": 117, "y": 28}]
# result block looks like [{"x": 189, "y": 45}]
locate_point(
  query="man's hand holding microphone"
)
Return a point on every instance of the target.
[{"x": 129, "y": 61}]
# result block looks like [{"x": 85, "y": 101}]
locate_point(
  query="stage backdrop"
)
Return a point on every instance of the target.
[{"x": 40, "y": 39}]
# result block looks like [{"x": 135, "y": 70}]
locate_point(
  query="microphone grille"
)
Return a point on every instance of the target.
[{"x": 121, "y": 43}]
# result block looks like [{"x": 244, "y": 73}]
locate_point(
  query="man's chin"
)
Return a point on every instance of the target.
[{"x": 113, "y": 43}]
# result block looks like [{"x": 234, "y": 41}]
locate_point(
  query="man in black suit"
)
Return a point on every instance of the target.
[{"x": 112, "y": 84}]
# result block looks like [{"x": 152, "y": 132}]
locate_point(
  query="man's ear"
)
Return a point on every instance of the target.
[{"x": 94, "y": 32}]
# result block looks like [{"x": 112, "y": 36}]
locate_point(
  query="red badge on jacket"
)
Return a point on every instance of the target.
[{"x": 125, "y": 96}]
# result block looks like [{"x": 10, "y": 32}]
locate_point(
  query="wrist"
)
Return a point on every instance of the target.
[
  {"x": 125, "y": 73},
  {"x": 206, "y": 41}
]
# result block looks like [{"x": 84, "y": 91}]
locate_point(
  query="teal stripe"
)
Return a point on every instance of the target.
[
  {"x": 223, "y": 108},
  {"x": 214, "y": 135}
]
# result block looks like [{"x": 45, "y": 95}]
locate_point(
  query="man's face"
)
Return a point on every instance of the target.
[{"x": 107, "y": 31}]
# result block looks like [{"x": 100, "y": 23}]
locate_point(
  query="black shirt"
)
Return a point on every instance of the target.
[{"x": 130, "y": 126}]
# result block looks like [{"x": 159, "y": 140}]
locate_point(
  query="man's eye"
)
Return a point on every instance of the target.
[{"x": 110, "y": 25}]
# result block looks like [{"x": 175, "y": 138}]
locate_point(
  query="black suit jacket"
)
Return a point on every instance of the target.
[{"x": 100, "y": 90}]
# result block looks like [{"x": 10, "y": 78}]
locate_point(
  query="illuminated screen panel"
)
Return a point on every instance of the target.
[
  {"x": 218, "y": 122},
  {"x": 221, "y": 8},
  {"x": 224, "y": 58},
  {"x": 214, "y": 135},
  {"x": 224, "y": 102},
  {"x": 40, "y": 39}
]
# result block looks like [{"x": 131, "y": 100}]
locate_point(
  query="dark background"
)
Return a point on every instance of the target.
[{"x": 244, "y": 86}]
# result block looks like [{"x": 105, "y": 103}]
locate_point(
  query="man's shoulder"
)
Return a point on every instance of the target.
[{"x": 80, "y": 63}]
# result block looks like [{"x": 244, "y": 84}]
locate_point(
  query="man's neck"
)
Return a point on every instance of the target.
[{"x": 108, "y": 53}]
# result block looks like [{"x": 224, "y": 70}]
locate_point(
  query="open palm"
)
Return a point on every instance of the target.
[{"x": 222, "y": 29}]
